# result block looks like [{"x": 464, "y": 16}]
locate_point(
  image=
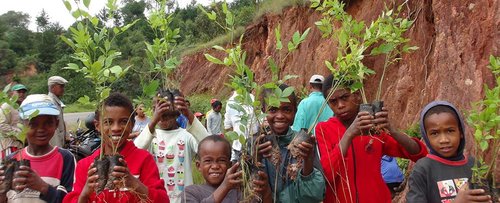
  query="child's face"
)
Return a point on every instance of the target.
[
  {"x": 344, "y": 104},
  {"x": 168, "y": 122},
  {"x": 41, "y": 129},
  {"x": 280, "y": 119},
  {"x": 116, "y": 126},
  {"x": 213, "y": 162},
  {"x": 443, "y": 132},
  {"x": 140, "y": 110},
  {"x": 218, "y": 108}
]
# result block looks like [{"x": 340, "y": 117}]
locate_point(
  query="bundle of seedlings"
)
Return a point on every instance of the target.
[
  {"x": 91, "y": 42},
  {"x": 244, "y": 85},
  {"x": 485, "y": 119},
  {"x": 384, "y": 36}
]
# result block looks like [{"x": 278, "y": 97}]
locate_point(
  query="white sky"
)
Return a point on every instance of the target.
[{"x": 57, "y": 11}]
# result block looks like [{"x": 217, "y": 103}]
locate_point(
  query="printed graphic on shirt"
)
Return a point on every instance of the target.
[{"x": 448, "y": 189}]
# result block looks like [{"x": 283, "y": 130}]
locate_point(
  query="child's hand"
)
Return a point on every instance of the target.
[
  {"x": 161, "y": 106},
  {"x": 382, "y": 119},
  {"x": 475, "y": 195},
  {"x": 262, "y": 187},
  {"x": 91, "y": 183},
  {"x": 27, "y": 178},
  {"x": 180, "y": 105},
  {"x": 232, "y": 179},
  {"x": 362, "y": 123},
  {"x": 307, "y": 154},
  {"x": 264, "y": 148},
  {"x": 122, "y": 173}
]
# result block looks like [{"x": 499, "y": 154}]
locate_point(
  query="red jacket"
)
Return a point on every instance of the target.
[
  {"x": 357, "y": 174},
  {"x": 140, "y": 164}
]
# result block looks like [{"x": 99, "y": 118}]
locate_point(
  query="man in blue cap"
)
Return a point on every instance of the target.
[{"x": 9, "y": 118}]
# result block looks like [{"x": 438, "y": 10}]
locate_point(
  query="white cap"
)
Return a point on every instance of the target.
[
  {"x": 317, "y": 79},
  {"x": 38, "y": 102},
  {"x": 56, "y": 80}
]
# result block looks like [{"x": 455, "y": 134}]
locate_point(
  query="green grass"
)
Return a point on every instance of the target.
[
  {"x": 77, "y": 107},
  {"x": 275, "y": 7},
  {"x": 220, "y": 40}
]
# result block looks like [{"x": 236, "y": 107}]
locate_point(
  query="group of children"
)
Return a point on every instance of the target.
[{"x": 341, "y": 163}]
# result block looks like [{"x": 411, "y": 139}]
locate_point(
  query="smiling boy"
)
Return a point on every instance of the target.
[
  {"x": 139, "y": 174},
  {"x": 50, "y": 174},
  {"x": 350, "y": 158},
  {"x": 309, "y": 185},
  {"x": 442, "y": 176}
]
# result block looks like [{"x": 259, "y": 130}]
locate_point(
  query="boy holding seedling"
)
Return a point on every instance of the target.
[
  {"x": 137, "y": 178},
  {"x": 351, "y": 154},
  {"x": 443, "y": 175},
  {"x": 172, "y": 146},
  {"x": 222, "y": 181},
  {"x": 278, "y": 163},
  {"x": 46, "y": 172}
]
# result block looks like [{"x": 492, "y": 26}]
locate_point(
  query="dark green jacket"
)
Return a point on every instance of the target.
[{"x": 303, "y": 189}]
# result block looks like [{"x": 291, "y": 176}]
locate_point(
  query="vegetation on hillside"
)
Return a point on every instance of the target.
[{"x": 43, "y": 49}]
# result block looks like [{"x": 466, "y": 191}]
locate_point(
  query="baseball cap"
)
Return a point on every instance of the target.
[
  {"x": 317, "y": 79},
  {"x": 18, "y": 87},
  {"x": 41, "y": 102},
  {"x": 213, "y": 100},
  {"x": 56, "y": 80}
]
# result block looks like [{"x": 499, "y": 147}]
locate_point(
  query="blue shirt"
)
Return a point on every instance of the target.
[
  {"x": 308, "y": 110},
  {"x": 390, "y": 170},
  {"x": 182, "y": 121}
]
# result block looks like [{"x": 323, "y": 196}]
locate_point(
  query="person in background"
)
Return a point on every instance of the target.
[
  {"x": 56, "y": 91},
  {"x": 173, "y": 147},
  {"x": 141, "y": 121},
  {"x": 232, "y": 122},
  {"x": 309, "y": 108},
  {"x": 214, "y": 119},
  {"x": 391, "y": 173},
  {"x": 9, "y": 118}
]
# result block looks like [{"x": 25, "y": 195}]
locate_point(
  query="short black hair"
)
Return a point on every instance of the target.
[
  {"x": 119, "y": 100},
  {"x": 293, "y": 98},
  {"x": 443, "y": 109},
  {"x": 215, "y": 138},
  {"x": 216, "y": 104},
  {"x": 317, "y": 86},
  {"x": 330, "y": 81}
]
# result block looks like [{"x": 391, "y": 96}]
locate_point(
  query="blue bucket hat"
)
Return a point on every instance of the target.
[{"x": 38, "y": 102}]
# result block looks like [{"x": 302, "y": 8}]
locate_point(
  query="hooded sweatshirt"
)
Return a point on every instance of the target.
[{"x": 436, "y": 178}]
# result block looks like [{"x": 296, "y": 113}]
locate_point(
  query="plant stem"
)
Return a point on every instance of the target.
[{"x": 386, "y": 63}]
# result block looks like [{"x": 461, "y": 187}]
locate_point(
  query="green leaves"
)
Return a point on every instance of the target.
[
  {"x": 86, "y": 3},
  {"x": 297, "y": 39},
  {"x": 213, "y": 59}
]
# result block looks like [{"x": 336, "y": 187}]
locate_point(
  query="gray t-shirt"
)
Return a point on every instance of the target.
[
  {"x": 204, "y": 194},
  {"x": 214, "y": 123}
]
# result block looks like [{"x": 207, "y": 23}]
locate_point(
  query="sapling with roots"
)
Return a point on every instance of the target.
[
  {"x": 92, "y": 43},
  {"x": 11, "y": 165},
  {"x": 383, "y": 36},
  {"x": 242, "y": 81},
  {"x": 485, "y": 119}
]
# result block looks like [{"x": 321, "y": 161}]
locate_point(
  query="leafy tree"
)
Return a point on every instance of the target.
[{"x": 42, "y": 21}]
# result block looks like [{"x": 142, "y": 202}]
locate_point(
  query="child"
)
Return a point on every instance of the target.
[
  {"x": 50, "y": 174},
  {"x": 139, "y": 173},
  {"x": 222, "y": 179},
  {"x": 172, "y": 146},
  {"x": 350, "y": 158},
  {"x": 309, "y": 185},
  {"x": 214, "y": 119},
  {"x": 141, "y": 121},
  {"x": 443, "y": 175}
]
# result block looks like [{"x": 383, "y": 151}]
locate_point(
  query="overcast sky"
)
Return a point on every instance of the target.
[{"x": 57, "y": 11}]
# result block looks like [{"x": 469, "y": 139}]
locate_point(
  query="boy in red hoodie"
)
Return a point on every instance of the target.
[
  {"x": 350, "y": 158},
  {"x": 140, "y": 174}
]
